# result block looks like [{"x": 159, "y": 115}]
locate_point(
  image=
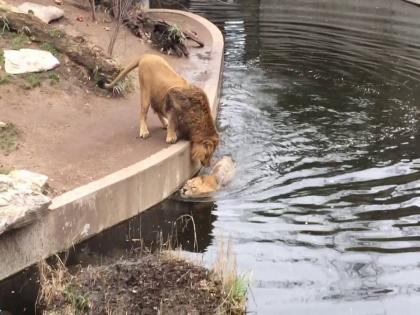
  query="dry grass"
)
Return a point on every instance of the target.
[
  {"x": 64, "y": 293},
  {"x": 235, "y": 285},
  {"x": 59, "y": 287}
]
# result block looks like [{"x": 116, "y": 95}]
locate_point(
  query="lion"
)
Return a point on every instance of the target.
[
  {"x": 221, "y": 174},
  {"x": 182, "y": 108}
]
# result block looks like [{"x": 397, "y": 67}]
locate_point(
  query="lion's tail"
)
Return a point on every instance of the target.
[{"x": 122, "y": 74}]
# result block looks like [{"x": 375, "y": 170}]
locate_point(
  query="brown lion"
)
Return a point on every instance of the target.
[{"x": 182, "y": 108}]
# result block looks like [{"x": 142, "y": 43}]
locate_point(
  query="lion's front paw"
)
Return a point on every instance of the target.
[
  {"x": 144, "y": 133},
  {"x": 171, "y": 139}
]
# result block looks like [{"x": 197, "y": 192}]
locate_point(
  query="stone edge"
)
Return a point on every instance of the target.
[{"x": 87, "y": 210}]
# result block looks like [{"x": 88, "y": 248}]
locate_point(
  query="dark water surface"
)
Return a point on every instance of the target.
[{"x": 320, "y": 110}]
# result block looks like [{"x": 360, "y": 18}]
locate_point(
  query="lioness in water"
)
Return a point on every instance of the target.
[
  {"x": 181, "y": 107},
  {"x": 202, "y": 186}
]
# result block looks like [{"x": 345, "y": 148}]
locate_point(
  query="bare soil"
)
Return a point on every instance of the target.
[
  {"x": 149, "y": 285},
  {"x": 70, "y": 130}
]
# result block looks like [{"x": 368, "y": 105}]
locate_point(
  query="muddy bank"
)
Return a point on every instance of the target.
[{"x": 150, "y": 284}]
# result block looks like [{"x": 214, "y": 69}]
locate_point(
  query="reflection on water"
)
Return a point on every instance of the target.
[{"x": 320, "y": 110}]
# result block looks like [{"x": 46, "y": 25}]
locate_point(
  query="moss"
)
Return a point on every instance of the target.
[
  {"x": 4, "y": 80},
  {"x": 19, "y": 41},
  {"x": 49, "y": 47},
  {"x": 56, "y": 33},
  {"x": 9, "y": 135},
  {"x": 54, "y": 78},
  {"x": 33, "y": 80}
]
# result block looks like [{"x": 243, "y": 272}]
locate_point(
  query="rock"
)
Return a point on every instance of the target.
[
  {"x": 45, "y": 13},
  {"x": 26, "y": 180},
  {"x": 58, "y": 2},
  {"x": 2, "y": 125},
  {"x": 28, "y": 60},
  {"x": 21, "y": 199},
  {"x": 6, "y": 6}
]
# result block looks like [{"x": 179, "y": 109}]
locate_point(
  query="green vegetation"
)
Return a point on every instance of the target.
[
  {"x": 123, "y": 87},
  {"x": 49, "y": 47},
  {"x": 54, "y": 78},
  {"x": 9, "y": 135},
  {"x": 5, "y": 170},
  {"x": 235, "y": 286},
  {"x": 59, "y": 286},
  {"x": 78, "y": 301},
  {"x": 19, "y": 41},
  {"x": 55, "y": 32},
  {"x": 4, "y": 80},
  {"x": 175, "y": 34},
  {"x": 33, "y": 80}
]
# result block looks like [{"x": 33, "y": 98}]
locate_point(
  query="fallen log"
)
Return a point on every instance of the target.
[
  {"x": 76, "y": 48},
  {"x": 168, "y": 38}
]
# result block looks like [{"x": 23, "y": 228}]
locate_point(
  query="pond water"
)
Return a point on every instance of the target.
[{"x": 320, "y": 110}]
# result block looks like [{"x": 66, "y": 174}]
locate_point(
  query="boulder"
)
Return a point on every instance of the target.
[
  {"x": 28, "y": 60},
  {"x": 45, "y": 13},
  {"x": 21, "y": 199}
]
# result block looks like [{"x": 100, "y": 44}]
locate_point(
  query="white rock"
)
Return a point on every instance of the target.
[
  {"x": 44, "y": 13},
  {"x": 2, "y": 124},
  {"x": 5, "y": 182},
  {"x": 8, "y": 6},
  {"x": 28, "y": 60},
  {"x": 21, "y": 199},
  {"x": 23, "y": 179}
]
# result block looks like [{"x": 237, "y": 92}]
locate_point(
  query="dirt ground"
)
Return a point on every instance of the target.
[
  {"x": 71, "y": 130},
  {"x": 147, "y": 285}
]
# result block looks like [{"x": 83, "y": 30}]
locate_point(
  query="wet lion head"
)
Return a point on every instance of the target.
[{"x": 200, "y": 186}]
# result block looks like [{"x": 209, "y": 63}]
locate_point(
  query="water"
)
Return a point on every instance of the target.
[{"x": 320, "y": 110}]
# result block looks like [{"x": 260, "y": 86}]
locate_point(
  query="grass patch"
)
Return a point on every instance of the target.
[
  {"x": 58, "y": 287},
  {"x": 5, "y": 170},
  {"x": 55, "y": 32},
  {"x": 33, "y": 80},
  {"x": 4, "y": 80},
  {"x": 123, "y": 87},
  {"x": 54, "y": 78},
  {"x": 9, "y": 135},
  {"x": 2, "y": 58},
  {"x": 235, "y": 286},
  {"x": 49, "y": 47},
  {"x": 19, "y": 41},
  {"x": 175, "y": 33}
]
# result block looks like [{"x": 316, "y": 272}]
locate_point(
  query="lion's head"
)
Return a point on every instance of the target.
[
  {"x": 203, "y": 150},
  {"x": 200, "y": 186}
]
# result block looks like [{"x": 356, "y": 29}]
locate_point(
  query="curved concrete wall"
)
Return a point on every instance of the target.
[{"x": 85, "y": 211}]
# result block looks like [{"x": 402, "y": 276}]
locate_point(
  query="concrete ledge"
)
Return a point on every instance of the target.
[
  {"x": 88, "y": 210},
  {"x": 416, "y": 2}
]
